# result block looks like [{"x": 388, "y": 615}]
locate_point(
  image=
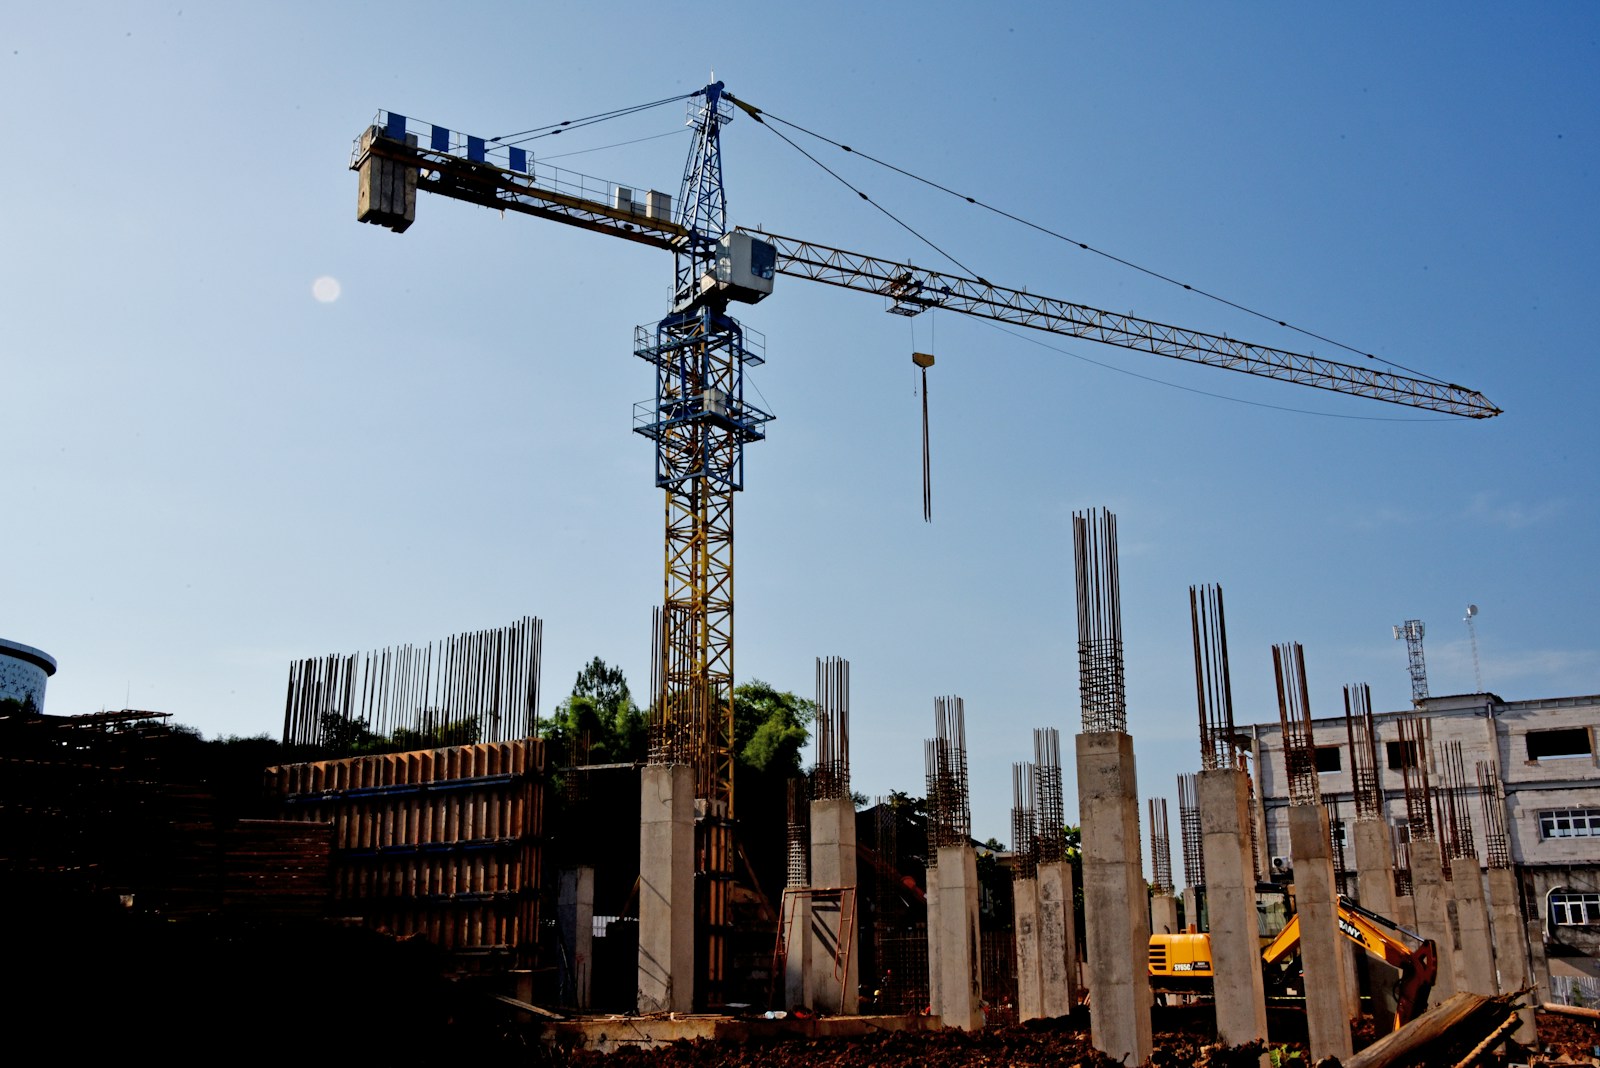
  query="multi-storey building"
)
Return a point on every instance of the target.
[{"x": 1543, "y": 751}]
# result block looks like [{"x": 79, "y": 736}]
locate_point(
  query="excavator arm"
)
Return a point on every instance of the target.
[{"x": 1416, "y": 958}]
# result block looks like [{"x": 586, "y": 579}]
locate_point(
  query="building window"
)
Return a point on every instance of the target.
[
  {"x": 1566, "y": 742},
  {"x": 1328, "y": 758},
  {"x": 1572, "y": 907},
  {"x": 1569, "y": 823},
  {"x": 1402, "y": 755}
]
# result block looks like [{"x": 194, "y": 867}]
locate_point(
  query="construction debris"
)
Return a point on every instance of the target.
[{"x": 1452, "y": 1033}]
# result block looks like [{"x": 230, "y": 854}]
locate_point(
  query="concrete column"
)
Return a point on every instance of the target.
[
  {"x": 1117, "y": 922},
  {"x": 1475, "y": 962},
  {"x": 1224, "y": 796},
  {"x": 666, "y": 889},
  {"x": 1058, "y": 940},
  {"x": 835, "y": 924},
  {"x": 797, "y": 951},
  {"x": 1322, "y": 968},
  {"x": 1511, "y": 960},
  {"x": 1430, "y": 892},
  {"x": 1163, "y": 914},
  {"x": 935, "y": 972},
  {"x": 960, "y": 990},
  {"x": 1025, "y": 927},
  {"x": 1191, "y": 908},
  {"x": 1374, "y": 853},
  {"x": 575, "y": 917}
]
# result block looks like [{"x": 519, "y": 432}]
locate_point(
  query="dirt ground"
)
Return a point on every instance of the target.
[{"x": 1181, "y": 1039}]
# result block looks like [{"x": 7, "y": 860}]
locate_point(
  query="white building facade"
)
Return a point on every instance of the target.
[{"x": 1545, "y": 754}]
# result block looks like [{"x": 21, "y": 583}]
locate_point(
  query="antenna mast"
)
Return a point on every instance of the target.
[
  {"x": 1472, "y": 631},
  {"x": 1411, "y": 631}
]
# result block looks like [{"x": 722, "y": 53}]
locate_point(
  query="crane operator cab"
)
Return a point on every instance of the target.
[{"x": 743, "y": 270}]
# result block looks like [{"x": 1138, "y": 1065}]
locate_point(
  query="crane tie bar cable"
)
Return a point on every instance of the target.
[{"x": 762, "y": 116}]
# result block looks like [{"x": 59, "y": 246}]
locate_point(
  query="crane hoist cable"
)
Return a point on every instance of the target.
[{"x": 763, "y": 117}]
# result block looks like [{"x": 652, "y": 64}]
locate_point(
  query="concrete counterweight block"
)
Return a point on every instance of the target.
[{"x": 1116, "y": 919}]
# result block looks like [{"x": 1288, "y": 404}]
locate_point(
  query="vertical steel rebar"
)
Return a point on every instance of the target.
[
  {"x": 1160, "y": 848},
  {"x": 1194, "y": 851},
  {"x": 1294, "y": 714},
  {"x": 1101, "y": 681}
]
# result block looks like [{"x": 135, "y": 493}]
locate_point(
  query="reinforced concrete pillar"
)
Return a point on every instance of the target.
[
  {"x": 1116, "y": 920},
  {"x": 1475, "y": 962},
  {"x": 1163, "y": 914},
  {"x": 666, "y": 889},
  {"x": 935, "y": 972},
  {"x": 835, "y": 925},
  {"x": 1025, "y": 926},
  {"x": 1430, "y": 892},
  {"x": 1322, "y": 965},
  {"x": 1374, "y": 853},
  {"x": 1241, "y": 1005},
  {"x": 797, "y": 951},
  {"x": 1511, "y": 959},
  {"x": 1058, "y": 940},
  {"x": 575, "y": 916},
  {"x": 1191, "y": 908},
  {"x": 960, "y": 990}
]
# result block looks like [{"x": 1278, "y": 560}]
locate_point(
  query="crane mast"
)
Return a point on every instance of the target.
[{"x": 700, "y": 424}]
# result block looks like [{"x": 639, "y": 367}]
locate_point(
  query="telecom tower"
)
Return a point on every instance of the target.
[{"x": 1411, "y": 631}]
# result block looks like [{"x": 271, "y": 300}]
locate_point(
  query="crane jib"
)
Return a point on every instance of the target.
[{"x": 914, "y": 289}]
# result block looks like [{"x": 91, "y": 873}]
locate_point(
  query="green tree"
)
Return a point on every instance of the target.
[
  {"x": 770, "y": 727},
  {"x": 598, "y": 722}
]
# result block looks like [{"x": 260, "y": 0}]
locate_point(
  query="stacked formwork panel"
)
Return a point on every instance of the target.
[{"x": 441, "y": 843}]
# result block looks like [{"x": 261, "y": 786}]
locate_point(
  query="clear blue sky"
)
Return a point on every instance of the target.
[{"x": 209, "y": 472}]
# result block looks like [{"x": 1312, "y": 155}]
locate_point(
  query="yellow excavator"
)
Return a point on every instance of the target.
[{"x": 1180, "y": 963}]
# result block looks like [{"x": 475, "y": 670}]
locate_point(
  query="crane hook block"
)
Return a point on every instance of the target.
[
  {"x": 388, "y": 185},
  {"x": 923, "y": 360}
]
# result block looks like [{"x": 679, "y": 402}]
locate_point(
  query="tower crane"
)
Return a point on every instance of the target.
[{"x": 699, "y": 418}]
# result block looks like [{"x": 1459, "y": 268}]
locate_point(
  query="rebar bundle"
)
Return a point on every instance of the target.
[
  {"x": 1414, "y": 773},
  {"x": 1336, "y": 843},
  {"x": 1194, "y": 847},
  {"x": 1219, "y": 747},
  {"x": 1024, "y": 822},
  {"x": 831, "y": 777},
  {"x": 1160, "y": 848},
  {"x": 1452, "y": 804},
  {"x": 677, "y": 723},
  {"x": 798, "y": 835},
  {"x": 1402, "y": 864},
  {"x": 949, "y": 804},
  {"x": 1365, "y": 785},
  {"x": 1294, "y": 714},
  {"x": 1101, "y": 681},
  {"x": 1492, "y": 796},
  {"x": 1048, "y": 805},
  {"x": 467, "y": 688}
]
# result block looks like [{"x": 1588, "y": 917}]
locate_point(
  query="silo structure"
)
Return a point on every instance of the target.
[{"x": 23, "y": 672}]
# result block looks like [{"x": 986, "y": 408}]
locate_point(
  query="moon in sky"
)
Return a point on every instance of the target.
[{"x": 325, "y": 289}]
